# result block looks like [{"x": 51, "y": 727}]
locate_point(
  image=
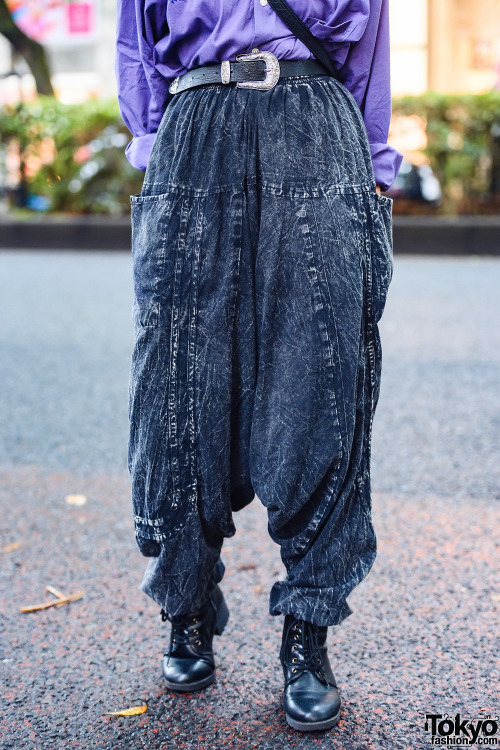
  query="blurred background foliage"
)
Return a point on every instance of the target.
[
  {"x": 462, "y": 146},
  {"x": 71, "y": 157}
]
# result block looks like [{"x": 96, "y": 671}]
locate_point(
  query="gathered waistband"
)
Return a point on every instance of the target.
[{"x": 306, "y": 132}]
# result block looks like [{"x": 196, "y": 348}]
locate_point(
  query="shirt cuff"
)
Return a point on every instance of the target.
[
  {"x": 386, "y": 163},
  {"x": 139, "y": 149}
]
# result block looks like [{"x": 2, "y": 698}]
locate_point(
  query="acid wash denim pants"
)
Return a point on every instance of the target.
[{"x": 261, "y": 257}]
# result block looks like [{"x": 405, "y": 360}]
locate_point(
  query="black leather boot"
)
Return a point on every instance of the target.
[
  {"x": 312, "y": 699},
  {"x": 189, "y": 662}
]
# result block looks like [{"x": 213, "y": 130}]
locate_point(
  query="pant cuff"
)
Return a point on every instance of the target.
[
  {"x": 318, "y": 606},
  {"x": 178, "y": 582}
]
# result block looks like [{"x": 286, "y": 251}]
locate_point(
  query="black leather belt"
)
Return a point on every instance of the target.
[{"x": 257, "y": 70}]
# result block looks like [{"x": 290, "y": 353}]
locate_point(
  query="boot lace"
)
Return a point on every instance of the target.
[
  {"x": 184, "y": 630},
  {"x": 304, "y": 652}
]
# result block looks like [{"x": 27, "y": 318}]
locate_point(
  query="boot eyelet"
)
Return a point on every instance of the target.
[
  {"x": 296, "y": 637},
  {"x": 195, "y": 619},
  {"x": 294, "y": 660},
  {"x": 294, "y": 669},
  {"x": 198, "y": 642},
  {"x": 294, "y": 647},
  {"x": 196, "y": 632}
]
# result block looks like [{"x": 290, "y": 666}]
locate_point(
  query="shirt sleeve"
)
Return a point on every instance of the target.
[
  {"x": 366, "y": 74},
  {"x": 142, "y": 91}
]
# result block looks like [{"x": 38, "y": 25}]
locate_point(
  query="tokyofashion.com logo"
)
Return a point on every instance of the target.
[{"x": 446, "y": 730}]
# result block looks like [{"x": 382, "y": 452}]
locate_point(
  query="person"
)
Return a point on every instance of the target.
[{"x": 261, "y": 260}]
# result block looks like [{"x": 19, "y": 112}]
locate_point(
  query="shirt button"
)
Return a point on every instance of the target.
[{"x": 263, "y": 2}]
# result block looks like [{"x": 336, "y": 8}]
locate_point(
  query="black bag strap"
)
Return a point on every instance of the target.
[{"x": 298, "y": 27}]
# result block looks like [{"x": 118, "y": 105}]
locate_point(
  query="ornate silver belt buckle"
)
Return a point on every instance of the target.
[{"x": 272, "y": 71}]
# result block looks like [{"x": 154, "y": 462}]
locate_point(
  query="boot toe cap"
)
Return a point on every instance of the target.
[
  {"x": 186, "y": 674},
  {"x": 308, "y": 707}
]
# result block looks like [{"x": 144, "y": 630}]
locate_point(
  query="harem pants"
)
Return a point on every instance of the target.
[{"x": 262, "y": 256}]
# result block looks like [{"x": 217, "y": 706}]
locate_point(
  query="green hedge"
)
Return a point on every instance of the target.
[
  {"x": 462, "y": 145},
  {"x": 90, "y": 174}
]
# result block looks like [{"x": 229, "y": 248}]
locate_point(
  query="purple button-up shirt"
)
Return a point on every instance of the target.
[{"x": 158, "y": 40}]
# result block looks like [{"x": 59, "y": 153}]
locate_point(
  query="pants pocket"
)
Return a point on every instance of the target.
[
  {"x": 381, "y": 243},
  {"x": 150, "y": 215}
]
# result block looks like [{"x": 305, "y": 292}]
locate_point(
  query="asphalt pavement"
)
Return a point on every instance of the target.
[{"x": 423, "y": 636}]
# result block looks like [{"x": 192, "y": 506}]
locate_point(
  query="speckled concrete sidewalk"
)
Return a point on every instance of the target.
[{"x": 422, "y": 637}]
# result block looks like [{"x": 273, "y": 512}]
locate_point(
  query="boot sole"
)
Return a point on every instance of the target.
[{"x": 309, "y": 726}]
